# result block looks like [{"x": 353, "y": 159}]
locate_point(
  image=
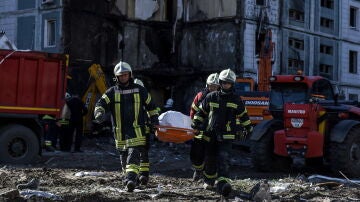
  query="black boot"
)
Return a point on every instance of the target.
[
  {"x": 197, "y": 175},
  {"x": 224, "y": 188},
  {"x": 50, "y": 148},
  {"x": 143, "y": 179},
  {"x": 208, "y": 184},
  {"x": 130, "y": 186}
]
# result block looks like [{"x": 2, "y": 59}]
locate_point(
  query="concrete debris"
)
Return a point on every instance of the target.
[
  {"x": 322, "y": 178},
  {"x": 9, "y": 193},
  {"x": 33, "y": 184},
  {"x": 85, "y": 173},
  {"x": 279, "y": 187},
  {"x": 263, "y": 194},
  {"x": 30, "y": 193}
]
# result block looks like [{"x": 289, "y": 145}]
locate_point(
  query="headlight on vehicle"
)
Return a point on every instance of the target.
[{"x": 296, "y": 122}]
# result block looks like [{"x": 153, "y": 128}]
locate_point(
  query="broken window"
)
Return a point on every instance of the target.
[
  {"x": 294, "y": 65},
  {"x": 260, "y": 38},
  {"x": 353, "y": 16},
  {"x": 49, "y": 35},
  {"x": 353, "y": 97},
  {"x": 325, "y": 70},
  {"x": 296, "y": 15},
  {"x": 326, "y": 22},
  {"x": 326, "y": 49},
  {"x": 260, "y": 2},
  {"x": 296, "y": 43},
  {"x": 353, "y": 62},
  {"x": 327, "y": 4}
]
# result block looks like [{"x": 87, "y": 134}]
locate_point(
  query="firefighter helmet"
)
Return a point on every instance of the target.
[
  {"x": 121, "y": 68},
  {"x": 67, "y": 95},
  {"x": 138, "y": 81},
  {"x": 169, "y": 103},
  {"x": 213, "y": 79},
  {"x": 227, "y": 75}
]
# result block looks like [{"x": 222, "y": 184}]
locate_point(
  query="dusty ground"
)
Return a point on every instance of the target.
[{"x": 95, "y": 175}]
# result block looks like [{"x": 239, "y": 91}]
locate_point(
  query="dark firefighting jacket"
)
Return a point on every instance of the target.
[
  {"x": 195, "y": 106},
  {"x": 197, "y": 100},
  {"x": 127, "y": 105},
  {"x": 221, "y": 115}
]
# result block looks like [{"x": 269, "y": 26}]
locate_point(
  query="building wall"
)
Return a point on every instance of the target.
[
  {"x": 252, "y": 22},
  {"x": 143, "y": 46},
  {"x": 8, "y": 23},
  {"x": 350, "y": 40},
  {"x": 23, "y": 23},
  {"x": 209, "y": 47}
]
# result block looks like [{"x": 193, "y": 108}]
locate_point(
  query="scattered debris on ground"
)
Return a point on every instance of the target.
[{"x": 95, "y": 175}]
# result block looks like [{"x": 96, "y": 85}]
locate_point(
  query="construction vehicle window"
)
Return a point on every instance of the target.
[
  {"x": 282, "y": 93},
  {"x": 322, "y": 88},
  {"x": 240, "y": 87}
]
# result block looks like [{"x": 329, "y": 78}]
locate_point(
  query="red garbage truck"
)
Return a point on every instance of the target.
[{"x": 32, "y": 84}]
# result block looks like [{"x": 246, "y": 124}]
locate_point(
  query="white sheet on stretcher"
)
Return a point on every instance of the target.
[{"x": 175, "y": 119}]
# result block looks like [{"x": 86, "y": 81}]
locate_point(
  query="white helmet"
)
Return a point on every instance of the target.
[
  {"x": 213, "y": 79},
  {"x": 227, "y": 75},
  {"x": 169, "y": 103},
  {"x": 121, "y": 68},
  {"x": 67, "y": 95},
  {"x": 138, "y": 81}
]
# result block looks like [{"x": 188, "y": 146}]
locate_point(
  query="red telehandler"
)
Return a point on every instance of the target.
[{"x": 309, "y": 122}]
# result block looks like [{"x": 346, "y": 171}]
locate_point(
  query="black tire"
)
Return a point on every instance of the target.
[
  {"x": 345, "y": 156},
  {"x": 18, "y": 144},
  {"x": 262, "y": 153}
]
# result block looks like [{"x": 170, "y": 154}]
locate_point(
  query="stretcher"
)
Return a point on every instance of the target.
[{"x": 173, "y": 134}]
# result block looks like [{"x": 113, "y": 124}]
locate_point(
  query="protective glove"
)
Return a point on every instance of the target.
[
  {"x": 245, "y": 132},
  {"x": 99, "y": 117},
  {"x": 241, "y": 135},
  {"x": 249, "y": 129},
  {"x": 195, "y": 125},
  {"x": 154, "y": 120}
]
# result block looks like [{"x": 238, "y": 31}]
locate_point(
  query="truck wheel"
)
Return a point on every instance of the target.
[
  {"x": 18, "y": 144},
  {"x": 345, "y": 156},
  {"x": 262, "y": 153}
]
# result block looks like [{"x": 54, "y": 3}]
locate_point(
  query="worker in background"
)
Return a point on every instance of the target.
[
  {"x": 197, "y": 146},
  {"x": 77, "y": 111},
  {"x": 169, "y": 105},
  {"x": 50, "y": 132},
  {"x": 64, "y": 124},
  {"x": 220, "y": 117},
  {"x": 127, "y": 101}
]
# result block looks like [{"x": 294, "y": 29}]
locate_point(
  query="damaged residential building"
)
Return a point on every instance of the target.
[{"x": 172, "y": 45}]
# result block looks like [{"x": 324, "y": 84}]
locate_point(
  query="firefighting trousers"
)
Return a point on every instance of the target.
[
  {"x": 78, "y": 129},
  {"x": 197, "y": 154},
  {"x": 50, "y": 132},
  {"x": 137, "y": 163},
  {"x": 216, "y": 163},
  {"x": 144, "y": 158},
  {"x": 65, "y": 139}
]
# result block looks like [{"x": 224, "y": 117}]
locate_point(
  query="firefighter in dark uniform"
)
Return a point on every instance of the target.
[
  {"x": 127, "y": 101},
  {"x": 220, "y": 118},
  {"x": 78, "y": 110},
  {"x": 197, "y": 146},
  {"x": 50, "y": 132},
  {"x": 144, "y": 157}
]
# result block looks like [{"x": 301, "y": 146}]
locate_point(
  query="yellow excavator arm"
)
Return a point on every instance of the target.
[{"x": 96, "y": 87}]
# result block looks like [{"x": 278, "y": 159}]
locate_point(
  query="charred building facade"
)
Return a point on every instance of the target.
[{"x": 172, "y": 45}]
